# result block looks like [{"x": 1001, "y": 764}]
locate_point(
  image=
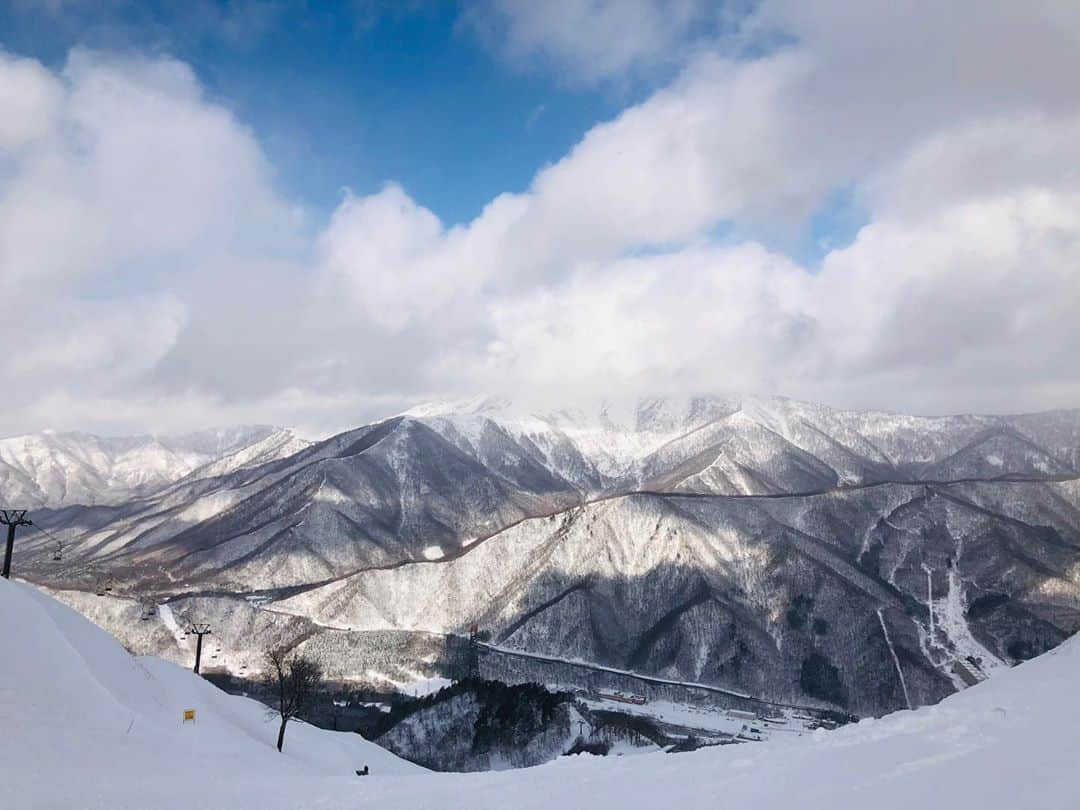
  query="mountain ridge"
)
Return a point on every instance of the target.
[
  {"x": 54, "y": 469},
  {"x": 691, "y": 547}
]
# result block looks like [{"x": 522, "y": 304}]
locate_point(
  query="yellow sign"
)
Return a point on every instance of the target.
[{"x": 189, "y": 714}]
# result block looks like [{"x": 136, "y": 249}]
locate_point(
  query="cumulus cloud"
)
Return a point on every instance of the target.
[
  {"x": 188, "y": 290},
  {"x": 131, "y": 168},
  {"x": 967, "y": 309},
  {"x": 127, "y": 202}
]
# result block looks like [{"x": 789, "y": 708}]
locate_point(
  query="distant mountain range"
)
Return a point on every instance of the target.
[
  {"x": 773, "y": 548},
  {"x": 58, "y": 469}
]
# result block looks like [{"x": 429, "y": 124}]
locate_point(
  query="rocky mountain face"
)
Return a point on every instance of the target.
[{"x": 775, "y": 549}]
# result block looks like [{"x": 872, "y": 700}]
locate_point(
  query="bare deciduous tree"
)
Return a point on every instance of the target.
[{"x": 294, "y": 679}]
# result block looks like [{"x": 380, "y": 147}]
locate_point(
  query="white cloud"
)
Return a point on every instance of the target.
[
  {"x": 188, "y": 291},
  {"x": 127, "y": 202},
  {"x": 134, "y": 168},
  {"x": 30, "y": 99},
  {"x": 592, "y": 41},
  {"x": 394, "y": 261},
  {"x": 699, "y": 319},
  {"x": 971, "y": 308}
]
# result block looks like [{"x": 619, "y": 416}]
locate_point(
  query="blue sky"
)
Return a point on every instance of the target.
[
  {"x": 362, "y": 92},
  {"x": 351, "y": 94}
]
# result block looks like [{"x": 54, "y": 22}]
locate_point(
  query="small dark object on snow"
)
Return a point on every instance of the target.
[{"x": 363, "y": 771}]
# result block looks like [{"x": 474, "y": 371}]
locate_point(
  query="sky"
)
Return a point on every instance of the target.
[{"x": 318, "y": 214}]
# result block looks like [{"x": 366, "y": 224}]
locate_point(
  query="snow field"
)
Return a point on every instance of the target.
[{"x": 87, "y": 725}]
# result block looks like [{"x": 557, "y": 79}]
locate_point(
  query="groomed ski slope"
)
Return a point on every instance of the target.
[{"x": 83, "y": 724}]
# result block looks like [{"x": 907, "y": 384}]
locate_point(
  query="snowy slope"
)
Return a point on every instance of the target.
[
  {"x": 86, "y": 724},
  {"x": 1008, "y": 743}
]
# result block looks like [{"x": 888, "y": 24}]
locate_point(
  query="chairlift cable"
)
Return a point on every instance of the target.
[{"x": 59, "y": 543}]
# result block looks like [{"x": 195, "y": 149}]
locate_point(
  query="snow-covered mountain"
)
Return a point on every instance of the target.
[
  {"x": 86, "y": 724},
  {"x": 59, "y": 469},
  {"x": 754, "y": 445},
  {"x": 798, "y": 554}
]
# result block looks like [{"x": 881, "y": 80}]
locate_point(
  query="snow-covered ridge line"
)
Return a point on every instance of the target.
[{"x": 61, "y": 469}]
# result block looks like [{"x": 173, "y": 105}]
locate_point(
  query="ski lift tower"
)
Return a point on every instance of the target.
[
  {"x": 198, "y": 629},
  {"x": 12, "y": 518}
]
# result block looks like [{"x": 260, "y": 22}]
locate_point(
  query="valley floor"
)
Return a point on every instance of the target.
[{"x": 86, "y": 725}]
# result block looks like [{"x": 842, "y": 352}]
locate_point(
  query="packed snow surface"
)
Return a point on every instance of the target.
[{"x": 85, "y": 724}]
